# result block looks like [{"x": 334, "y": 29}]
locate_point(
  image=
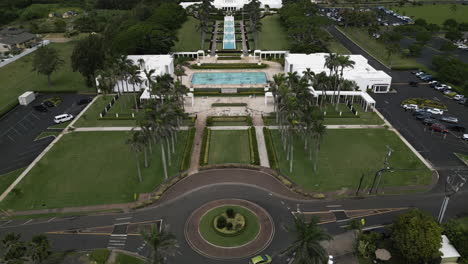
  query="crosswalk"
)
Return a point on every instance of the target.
[
  {"x": 118, "y": 238},
  {"x": 117, "y": 241}
]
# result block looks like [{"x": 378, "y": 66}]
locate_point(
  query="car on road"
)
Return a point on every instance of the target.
[
  {"x": 410, "y": 106},
  {"x": 40, "y": 108},
  {"x": 439, "y": 128},
  {"x": 261, "y": 259},
  {"x": 435, "y": 111},
  {"x": 85, "y": 101},
  {"x": 429, "y": 121},
  {"x": 413, "y": 83},
  {"x": 456, "y": 127},
  {"x": 449, "y": 119},
  {"x": 62, "y": 118}
]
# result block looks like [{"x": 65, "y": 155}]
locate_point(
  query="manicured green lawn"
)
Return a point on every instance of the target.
[
  {"x": 229, "y": 146},
  {"x": 18, "y": 77},
  {"x": 365, "y": 118},
  {"x": 8, "y": 178},
  {"x": 434, "y": 13},
  {"x": 91, "y": 117},
  {"x": 346, "y": 154},
  {"x": 462, "y": 157},
  {"x": 89, "y": 168},
  {"x": 61, "y": 125},
  {"x": 126, "y": 259},
  {"x": 208, "y": 231},
  {"x": 272, "y": 36},
  {"x": 377, "y": 49},
  {"x": 125, "y": 105},
  {"x": 189, "y": 39},
  {"x": 336, "y": 47}
]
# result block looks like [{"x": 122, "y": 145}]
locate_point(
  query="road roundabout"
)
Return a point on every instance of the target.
[{"x": 229, "y": 229}]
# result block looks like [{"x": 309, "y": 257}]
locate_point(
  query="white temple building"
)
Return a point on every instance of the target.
[
  {"x": 237, "y": 4},
  {"x": 365, "y": 76}
]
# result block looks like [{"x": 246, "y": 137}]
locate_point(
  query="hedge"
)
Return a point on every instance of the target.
[
  {"x": 227, "y": 94},
  {"x": 205, "y": 147},
  {"x": 116, "y": 118},
  {"x": 229, "y": 66},
  {"x": 228, "y": 104},
  {"x": 229, "y": 58},
  {"x": 272, "y": 158},
  {"x": 246, "y": 119},
  {"x": 187, "y": 156},
  {"x": 253, "y": 145},
  {"x": 422, "y": 102}
]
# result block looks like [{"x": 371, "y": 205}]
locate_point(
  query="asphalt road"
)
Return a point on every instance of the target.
[{"x": 20, "y": 127}]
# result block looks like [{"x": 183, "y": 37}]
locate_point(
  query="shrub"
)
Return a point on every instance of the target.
[
  {"x": 272, "y": 158},
  {"x": 229, "y": 66},
  {"x": 230, "y": 213},
  {"x": 205, "y": 147},
  {"x": 422, "y": 102},
  {"x": 229, "y": 226},
  {"x": 254, "y": 155},
  {"x": 221, "y": 222},
  {"x": 99, "y": 255},
  {"x": 458, "y": 236},
  {"x": 187, "y": 156}
]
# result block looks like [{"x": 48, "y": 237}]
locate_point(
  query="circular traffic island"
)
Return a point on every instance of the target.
[
  {"x": 229, "y": 226},
  {"x": 229, "y": 229}
]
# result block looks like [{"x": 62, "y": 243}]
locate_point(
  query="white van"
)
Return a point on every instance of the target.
[{"x": 62, "y": 118}]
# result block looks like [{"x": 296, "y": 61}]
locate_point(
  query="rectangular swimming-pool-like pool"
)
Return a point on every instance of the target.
[{"x": 229, "y": 78}]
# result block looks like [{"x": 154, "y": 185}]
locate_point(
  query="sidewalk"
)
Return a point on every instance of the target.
[{"x": 197, "y": 143}]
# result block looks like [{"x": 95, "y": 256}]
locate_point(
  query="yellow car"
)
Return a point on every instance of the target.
[{"x": 261, "y": 259}]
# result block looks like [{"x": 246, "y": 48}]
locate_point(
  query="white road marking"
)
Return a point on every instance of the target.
[
  {"x": 50, "y": 220},
  {"x": 333, "y": 205},
  {"x": 27, "y": 222},
  {"x": 124, "y": 218}
]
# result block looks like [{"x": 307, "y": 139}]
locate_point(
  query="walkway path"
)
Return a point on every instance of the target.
[
  {"x": 244, "y": 42},
  {"x": 200, "y": 124},
  {"x": 262, "y": 151},
  {"x": 214, "y": 38}
]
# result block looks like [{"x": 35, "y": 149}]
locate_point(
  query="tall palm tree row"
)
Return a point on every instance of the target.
[{"x": 163, "y": 244}]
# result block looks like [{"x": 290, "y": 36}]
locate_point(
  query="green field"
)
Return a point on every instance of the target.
[
  {"x": 336, "y": 47},
  {"x": 125, "y": 105},
  {"x": 377, "y": 49},
  {"x": 8, "y": 178},
  {"x": 90, "y": 168},
  {"x": 91, "y": 117},
  {"x": 126, "y": 259},
  {"x": 249, "y": 233},
  {"x": 272, "y": 36},
  {"x": 189, "y": 38},
  {"x": 346, "y": 154},
  {"x": 229, "y": 146},
  {"x": 18, "y": 77},
  {"x": 434, "y": 13}
]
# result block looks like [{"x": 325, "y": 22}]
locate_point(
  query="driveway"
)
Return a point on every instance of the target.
[{"x": 20, "y": 127}]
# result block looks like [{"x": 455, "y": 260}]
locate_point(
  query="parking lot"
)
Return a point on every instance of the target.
[
  {"x": 20, "y": 127},
  {"x": 435, "y": 146}
]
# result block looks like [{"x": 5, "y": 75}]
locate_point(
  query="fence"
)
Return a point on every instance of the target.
[{"x": 117, "y": 115}]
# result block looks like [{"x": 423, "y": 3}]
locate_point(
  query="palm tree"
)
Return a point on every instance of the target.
[
  {"x": 331, "y": 63},
  {"x": 179, "y": 72},
  {"x": 308, "y": 74},
  {"x": 343, "y": 63},
  {"x": 163, "y": 244},
  {"x": 137, "y": 143},
  {"x": 39, "y": 248},
  {"x": 135, "y": 78},
  {"x": 307, "y": 244},
  {"x": 106, "y": 80},
  {"x": 278, "y": 81},
  {"x": 319, "y": 130}
]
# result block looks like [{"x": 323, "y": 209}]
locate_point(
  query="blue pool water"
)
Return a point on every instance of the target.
[
  {"x": 229, "y": 39},
  {"x": 229, "y": 78}
]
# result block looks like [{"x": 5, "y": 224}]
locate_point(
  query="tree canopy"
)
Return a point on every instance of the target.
[
  {"x": 88, "y": 56},
  {"x": 46, "y": 61}
]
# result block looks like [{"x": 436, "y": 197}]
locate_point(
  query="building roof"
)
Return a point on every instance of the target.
[
  {"x": 447, "y": 249},
  {"x": 156, "y": 62},
  {"x": 237, "y": 3},
  {"x": 316, "y": 63},
  {"x": 13, "y": 36}
]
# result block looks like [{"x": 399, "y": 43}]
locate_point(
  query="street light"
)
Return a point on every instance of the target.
[{"x": 452, "y": 186}]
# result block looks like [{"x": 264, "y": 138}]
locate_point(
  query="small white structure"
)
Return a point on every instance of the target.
[
  {"x": 450, "y": 254},
  {"x": 233, "y": 5},
  {"x": 161, "y": 64},
  {"x": 26, "y": 98},
  {"x": 365, "y": 76}
]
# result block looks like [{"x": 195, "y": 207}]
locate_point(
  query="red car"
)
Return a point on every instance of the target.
[{"x": 439, "y": 127}]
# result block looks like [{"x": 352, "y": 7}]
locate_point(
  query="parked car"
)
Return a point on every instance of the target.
[
  {"x": 449, "y": 119},
  {"x": 261, "y": 259},
  {"x": 421, "y": 111},
  {"x": 40, "y": 108},
  {"x": 458, "y": 97},
  {"x": 426, "y": 78},
  {"x": 439, "y": 128},
  {"x": 423, "y": 116},
  {"x": 413, "y": 83},
  {"x": 442, "y": 87},
  {"x": 456, "y": 127},
  {"x": 433, "y": 82},
  {"x": 62, "y": 118},
  {"x": 85, "y": 101},
  {"x": 410, "y": 106},
  {"x": 465, "y": 137},
  {"x": 429, "y": 121},
  {"x": 463, "y": 100},
  {"x": 435, "y": 111}
]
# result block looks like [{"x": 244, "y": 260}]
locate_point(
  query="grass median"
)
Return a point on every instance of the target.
[
  {"x": 437, "y": 13},
  {"x": 346, "y": 154},
  {"x": 91, "y": 117},
  {"x": 90, "y": 168}
]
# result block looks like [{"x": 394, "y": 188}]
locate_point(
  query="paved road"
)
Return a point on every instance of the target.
[{"x": 20, "y": 127}]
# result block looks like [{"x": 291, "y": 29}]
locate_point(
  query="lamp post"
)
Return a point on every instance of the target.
[
  {"x": 452, "y": 186},
  {"x": 378, "y": 174}
]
